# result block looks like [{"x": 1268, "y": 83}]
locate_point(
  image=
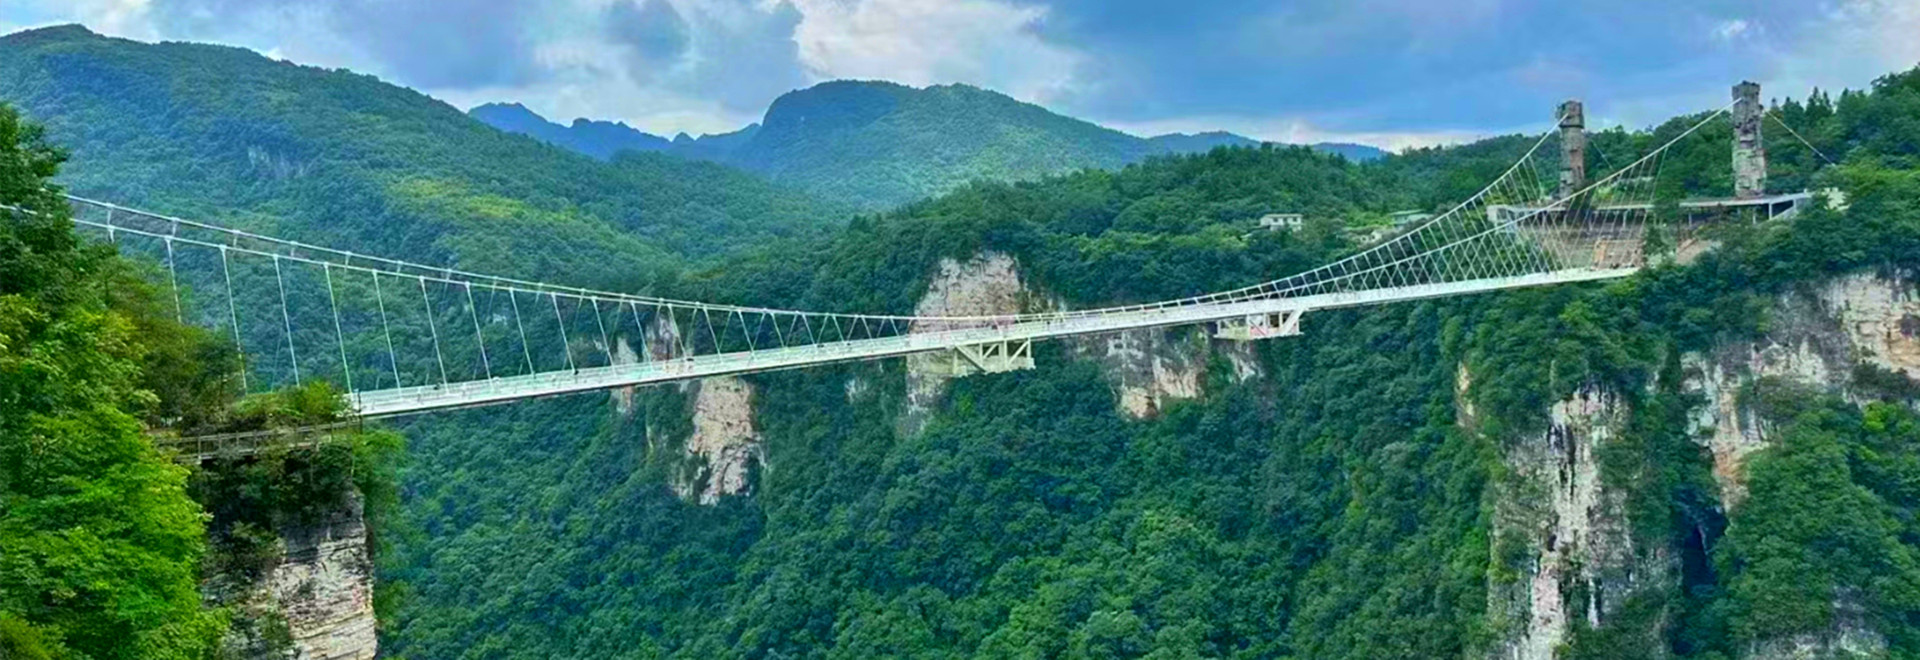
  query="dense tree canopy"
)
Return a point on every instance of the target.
[
  {"x": 1336, "y": 507},
  {"x": 99, "y": 543}
]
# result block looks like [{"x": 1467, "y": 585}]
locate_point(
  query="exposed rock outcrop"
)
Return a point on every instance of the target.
[
  {"x": 1814, "y": 340},
  {"x": 1151, "y": 368},
  {"x": 1579, "y": 557},
  {"x": 724, "y": 443},
  {"x": 314, "y": 598},
  {"x": 985, "y": 285},
  {"x": 325, "y": 588}
]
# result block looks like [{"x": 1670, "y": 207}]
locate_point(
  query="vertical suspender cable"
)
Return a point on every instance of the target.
[
  {"x": 286, "y": 318},
  {"x": 565, "y": 346},
  {"x": 334, "y": 302},
  {"x": 603, "y": 331},
  {"x": 233, "y": 315},
  {"x": 640, "y": 328},
  {"x": 708, "y": 315},
  {"x": 173, "y": 279},
  {"x": 393, "y": 358},
  {"x": 744, "y": 331},
  {"x": 427, "y": 303},
  {"x": 514, "y": 297},
  {"x": 478, "y": 339}
]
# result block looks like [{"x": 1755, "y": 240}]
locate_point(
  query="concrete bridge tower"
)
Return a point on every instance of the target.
[
  {"x": 1749, "y": 153},
  {"x": 1573, "y": 146}
]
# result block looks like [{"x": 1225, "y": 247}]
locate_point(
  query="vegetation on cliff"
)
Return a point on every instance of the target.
[
  {"x": 1337, "y": 507},
  {"x": 99, "y": 542}
]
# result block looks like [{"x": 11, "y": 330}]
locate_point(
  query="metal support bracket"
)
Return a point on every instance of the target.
[
  {"x": 1260, "y": 326},
  {"x": 992, "y": 358}
]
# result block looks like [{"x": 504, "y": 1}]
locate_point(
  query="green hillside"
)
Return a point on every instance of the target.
[
  {"x": 1335, "y": 508},
  {"x": 880, "y": 144},
  {"x": 347, "y": 159},
  {"x": 1339, "y": 506}
]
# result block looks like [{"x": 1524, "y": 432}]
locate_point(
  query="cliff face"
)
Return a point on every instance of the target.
[
  {"x": 985, "y": 285},
  {"x": 314, "y": 601},
  {"x": 1149, "y": 369},
  {"x": 325, "y": 587},
  {"x": 724, "y": 445},
  {"x": 1568, "y": 530},
  {"x": 1816, "y": 339}
]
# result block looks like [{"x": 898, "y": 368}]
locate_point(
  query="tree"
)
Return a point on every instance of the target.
[{"x": 99, "y": 542}]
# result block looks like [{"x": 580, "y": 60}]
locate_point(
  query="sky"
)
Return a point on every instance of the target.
[{"x": 1393, "y": 73}]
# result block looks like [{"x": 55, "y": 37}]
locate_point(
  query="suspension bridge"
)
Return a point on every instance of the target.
[{"x": 399, "y": 337}]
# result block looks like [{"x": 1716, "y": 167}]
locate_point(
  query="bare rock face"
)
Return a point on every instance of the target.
[
  {"x": 1814, "y": 340},
  {"x": 315, "y": 602},
  {"x": 1881, "y": 318},
  {"x": 1151, "y": 368},
  {"x": 724, "y": 441},
  {"x": 986, "y": 285},
  {"x": 1580, "y": 560}
]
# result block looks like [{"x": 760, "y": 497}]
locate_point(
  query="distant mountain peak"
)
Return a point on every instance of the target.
[
  {"x": 70, "y": 31},
  {"x": 876, "y": 143},
  {"x": 600, "y": 139}
]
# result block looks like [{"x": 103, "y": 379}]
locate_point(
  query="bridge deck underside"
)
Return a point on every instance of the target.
[{"x": 401, "y": 401}]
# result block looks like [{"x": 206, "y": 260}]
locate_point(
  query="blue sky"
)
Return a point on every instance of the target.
[{"x": 1389, "y": 72}]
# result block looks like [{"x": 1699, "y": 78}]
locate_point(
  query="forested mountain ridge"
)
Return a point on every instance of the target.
[
  {"x": 880, "y": 144},
  {"x": 1346, "y": 494},
  {"x": 598, "y": 139},
  {"x": 1382, "y": 487},
  {"x": 341, "y": 158}
]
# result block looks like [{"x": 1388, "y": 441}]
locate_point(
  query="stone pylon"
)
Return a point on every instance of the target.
[
  {"x": 1749, "y": 153},
  {"x": 1573, "y": 147}
]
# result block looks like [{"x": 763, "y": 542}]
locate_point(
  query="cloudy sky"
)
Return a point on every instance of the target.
[{"x": 1389, "y": 72}]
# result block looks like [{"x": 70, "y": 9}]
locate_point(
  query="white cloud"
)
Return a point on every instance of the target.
[
  {"x": 986, "y": 43},
  {"x": 1848, "y": 44},
  {"x": 1731, "y": 29}
]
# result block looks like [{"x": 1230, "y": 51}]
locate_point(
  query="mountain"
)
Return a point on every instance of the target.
[
  {"x": 332, "y": 156},
  {"x": 1200, "y": 142},
  {"x": 598, "y": 139},
  {"x": 880, "y": 144},
  {"x": 1359, "y": 153},
  {"x": 1716, "y": 458},
  {"x": 1709, "y": 460}
]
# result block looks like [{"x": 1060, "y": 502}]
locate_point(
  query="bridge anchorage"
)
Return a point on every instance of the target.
[{"x": 401, "y": 338}]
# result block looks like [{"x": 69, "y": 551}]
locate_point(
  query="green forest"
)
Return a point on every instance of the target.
[
  {"x": 876, "y": 145},
  {"x": 1336, "y": 507}
]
